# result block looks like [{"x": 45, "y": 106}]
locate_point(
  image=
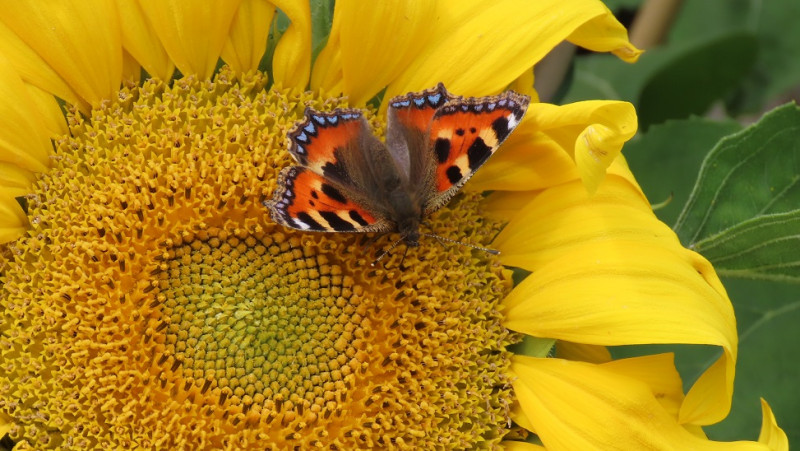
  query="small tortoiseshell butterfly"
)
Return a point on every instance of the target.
[{"x": 347, "y": 180}]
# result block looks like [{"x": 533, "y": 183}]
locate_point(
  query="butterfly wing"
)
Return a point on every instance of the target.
[
  {"x": 334, "y": 188},
  {"x": 463, "y": 134},
  {"x": 305, "y": 200},
  {"x": 408, "y": 123}
]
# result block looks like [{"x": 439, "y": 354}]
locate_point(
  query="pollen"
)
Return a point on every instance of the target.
[{"x": 155, "y": 304}]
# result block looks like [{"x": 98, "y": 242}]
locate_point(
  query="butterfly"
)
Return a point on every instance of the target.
[{"x": 348, "y": 180}]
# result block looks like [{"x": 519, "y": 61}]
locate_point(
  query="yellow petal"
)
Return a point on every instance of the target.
[
  {"x": 248, "y": 35},
  {"x": 605, "y": 34},
  {"x": 291, "y": 63},
  {"x": 23, "y": 136},
  {"x": 527, "y": 161},
  {"x": 577, "y": 405},
  {"x": 48, "y": 109},
  {"x": 378, "y": 42},
  {"x": 592, "y": 132},
  {"x": 524, "y": 85},
  {"x": 326, "y": 75},
  {"x": 519, "y": 417},
  {"x": 13, "y": 222},
  {"x": 478, "y": 48},
  {"x": 582, "y": 352},
  {"x": 771, "y": 435},
  {"x": 131, "y": 69},
  {"x": 80, "y": 40},
  {"x": 34, "y": 70},
  {"x": 659, "y": 373},
  {"x": 565, "y": 217},
  {"x": 634, "y": 291},
  {"x": 140, "y": 40},
  {"x": 193, "y": 37},
  {"x": 15, "y": 181},
  {"x": 555, "y": 144}
]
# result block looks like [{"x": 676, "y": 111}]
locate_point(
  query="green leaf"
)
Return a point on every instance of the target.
[
  {"x": 743, "y": 211},
  {"x": 668, "y": 156},
  {"x": 671, "y": 82},
  {"x": 321, "y": 22},
  {"x": 697, "y": 77},
  {"x": 777, "y": 67},
  {"x": 767, "y": 314}
]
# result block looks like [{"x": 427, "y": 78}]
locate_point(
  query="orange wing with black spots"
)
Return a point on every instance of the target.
[
  {"x": 408, "y": 123},
  {"x": 464, "y": 133},
  {"x": 307, "y": 201},
  {"x": 322, "y": 140}
]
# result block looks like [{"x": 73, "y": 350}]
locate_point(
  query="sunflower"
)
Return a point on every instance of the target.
[{"x": 149, "y": 301}]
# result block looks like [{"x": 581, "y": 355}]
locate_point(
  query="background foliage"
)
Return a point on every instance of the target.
[{"x": 719, "y": 143}]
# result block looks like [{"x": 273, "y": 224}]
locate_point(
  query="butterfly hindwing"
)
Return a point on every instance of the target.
[
  {"x": 464, "y": 133},
  {"x": 305, "y": 200},
  {"x": 332, "y": 144}
]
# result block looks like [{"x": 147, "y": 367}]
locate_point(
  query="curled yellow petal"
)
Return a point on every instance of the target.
[
  {"x": 592, "y": 132},
  {"x": 248, "y": 35},
  {"x": 141, "y": 40},
  {"x": 566, "y": 217},
  {"x": 291, "y": 63},
  {"x": 193, "y": 37},
  {"x": 659, "y": 373},
  {"x": 771, "y": 434},
  {"x": 80, "y": 40},
  {"x": 605, "y": 34},
  {"x": 528, "y": 160},
  {"x": 606, "y": 292},
  {"x": 577, "y": 405}
]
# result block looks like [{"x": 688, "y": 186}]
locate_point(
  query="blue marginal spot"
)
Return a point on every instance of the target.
[
  {"x": 348, "y": 116},
  {"x": 302, "y": 137},
  {"x": 419, "y": 101},
  {"x": 491, "y": 106},
  {"x": 333, "y": 119},
  {"x": 310, "y": 128},
  {"x": 402, "y": 103},
  {"x": 502, "y": 102},
  {"x": 301, "y": 150},
  {"x": 479, "y": 107},
  {"x": 319, "y": 119},
  {"x": 434, "y": 99}
]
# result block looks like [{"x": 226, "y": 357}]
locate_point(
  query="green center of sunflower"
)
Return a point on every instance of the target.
[
  {"x": 261, "y": 318},
  {"x": 154, "y": 303}
]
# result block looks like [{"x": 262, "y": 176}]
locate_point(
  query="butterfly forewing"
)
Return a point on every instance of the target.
[
  {"x": 408, "y": 122},
  {"x": 464, "y": 133}
]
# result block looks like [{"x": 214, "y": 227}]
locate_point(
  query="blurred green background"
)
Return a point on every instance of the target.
[{"x": 718, "y": 67}]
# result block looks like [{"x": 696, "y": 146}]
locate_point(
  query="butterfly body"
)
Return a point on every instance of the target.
[{"x": 347, "y": 180}]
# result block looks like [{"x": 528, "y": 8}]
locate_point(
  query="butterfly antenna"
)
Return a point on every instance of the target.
[
  {"x": 442, "y": 240},
  {"x": 405, "y": 252},
  {"x": 383, "y": 254}
]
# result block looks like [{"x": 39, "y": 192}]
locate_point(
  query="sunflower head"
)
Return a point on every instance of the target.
[{"x": 164, "y": 292}]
